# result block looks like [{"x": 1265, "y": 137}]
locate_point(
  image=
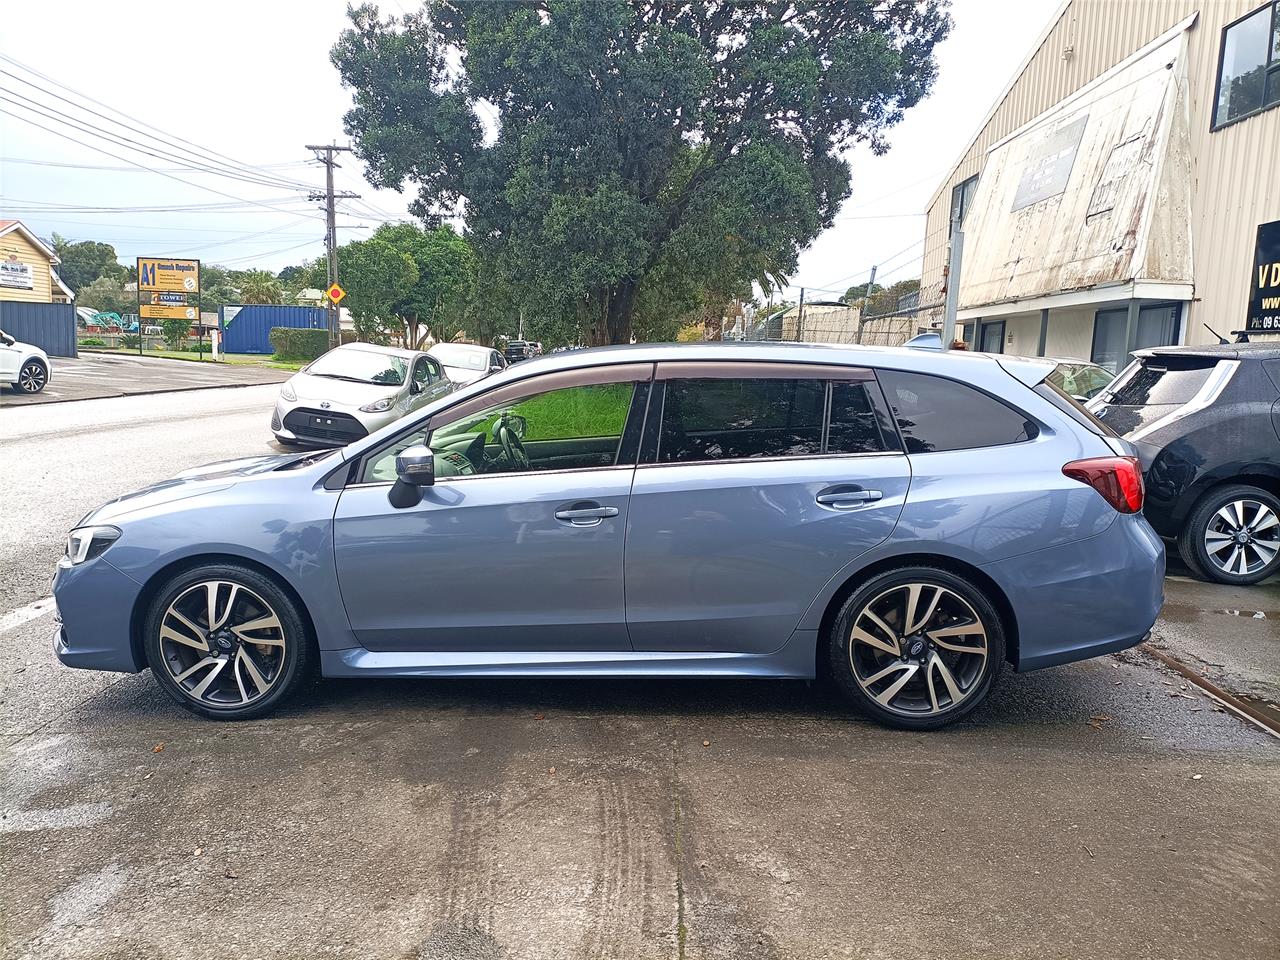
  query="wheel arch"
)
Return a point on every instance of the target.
[
  {"x": 146, "y": 596},
  {"x": 962, "y": 568}
]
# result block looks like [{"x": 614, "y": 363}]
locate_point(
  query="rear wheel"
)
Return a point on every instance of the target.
[
  {"x": 916, "y": 647},
  {"x": 226, "y": 642},
  {"x": 1233, "y": 535}
]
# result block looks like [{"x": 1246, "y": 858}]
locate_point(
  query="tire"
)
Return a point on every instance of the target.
[
  {"x": 1243, "y": 523},
  {"x": 949, "y": 670},
  {"x": 260, "y": 638},
  {"x": 32, "y": 377}
]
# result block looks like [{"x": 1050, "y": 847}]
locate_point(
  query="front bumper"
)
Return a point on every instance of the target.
[
  {"x": 1086, "y": 598},
  {"x": 95, "y": 613},
  {"x": 298, "y": 422}
]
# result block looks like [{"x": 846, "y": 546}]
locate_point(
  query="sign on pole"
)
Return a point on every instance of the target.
[
  {"x": 335, "y": 293},
  {"x": 168, "y": 275},
  {"x": 169, "y": 311}
]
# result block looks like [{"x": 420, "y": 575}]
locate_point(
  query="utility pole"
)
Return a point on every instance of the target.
[
  {"x": 800, "y": 318},
  {"x": 867, "y": 299},
  {"x": 331, "y": 223},
  {"x": 955, "y": 251}
]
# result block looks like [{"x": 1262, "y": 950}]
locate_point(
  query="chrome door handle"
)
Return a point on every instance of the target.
[
  {"x": 586, "y": 516},
  {"x": 848, "y": 498}
]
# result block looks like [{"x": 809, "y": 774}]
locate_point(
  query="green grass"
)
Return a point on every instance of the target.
[
  {"x": 239, "y": 359},
  {"x": 593, "y": 411}
]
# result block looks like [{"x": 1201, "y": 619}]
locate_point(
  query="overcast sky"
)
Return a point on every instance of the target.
[{"x": 252, "y": 81}]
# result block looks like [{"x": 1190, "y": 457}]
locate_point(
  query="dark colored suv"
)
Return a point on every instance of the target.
[{"x": 1206, "y": 422}]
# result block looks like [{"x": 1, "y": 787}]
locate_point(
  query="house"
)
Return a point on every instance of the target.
[
  {"x": 1122, "y": 192},
  {"x": 27, "y": 267},
  {"x": 310, "y": 297}
]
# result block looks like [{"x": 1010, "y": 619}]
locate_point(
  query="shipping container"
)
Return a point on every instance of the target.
[{"x": 247, "y": 328}]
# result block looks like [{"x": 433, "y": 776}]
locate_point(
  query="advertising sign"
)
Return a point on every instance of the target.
[
  {"x": 1264, "y": 290},
  {"x": 15, "y": 273},
  {"x": 168, "y": 275},
  {"x": 1048, "y": 165},
  {"x": 169, "y": 311}
]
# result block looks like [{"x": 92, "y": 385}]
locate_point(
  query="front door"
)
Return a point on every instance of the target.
[
  {"x": 761, "y": 483},
  {"x": 519, "y": 544}
]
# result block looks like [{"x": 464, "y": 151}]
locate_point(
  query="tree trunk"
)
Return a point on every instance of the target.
[{"x": 611, "y": 321}]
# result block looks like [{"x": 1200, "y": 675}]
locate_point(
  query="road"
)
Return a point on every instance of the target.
[
  {"x": 94, "y": 375},
  {"x": 1098, "y": 809}
]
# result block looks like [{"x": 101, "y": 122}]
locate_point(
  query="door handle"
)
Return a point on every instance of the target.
[
  {"x": 586, "y": 516},
  {"x": 843, "y": 499}
]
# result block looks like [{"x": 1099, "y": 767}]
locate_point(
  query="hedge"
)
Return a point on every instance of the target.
[{"x": 299, "y": 343}]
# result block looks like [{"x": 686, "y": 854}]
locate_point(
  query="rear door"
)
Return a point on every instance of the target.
[{"x": 758, "y": 482}]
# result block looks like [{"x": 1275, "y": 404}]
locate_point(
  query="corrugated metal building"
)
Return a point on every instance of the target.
[{"x": 1112, "y": 197}]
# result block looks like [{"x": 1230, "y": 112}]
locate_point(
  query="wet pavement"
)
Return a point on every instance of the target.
[
  {"x": 1102, "y": 809},
  {"x": 96, "y": 375}
]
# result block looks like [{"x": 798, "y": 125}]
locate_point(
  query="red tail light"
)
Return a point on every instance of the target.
[{"x": 1118, "y": 479}]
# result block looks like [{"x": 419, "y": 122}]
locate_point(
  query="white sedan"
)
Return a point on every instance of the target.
[
  {"x": 22, "y": 365},
  {"x": 468, "y": 362},
  {"x": 353, "y": 390}
]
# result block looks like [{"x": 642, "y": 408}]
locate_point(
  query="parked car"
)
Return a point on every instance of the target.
[
  {"x": 517, "y": 350},
  {"x": 354, "y": 390},
  {"x": 467, "y": 362},
  {"x": 1206, "y": 423},
  {"x": 908, "y": 521},
  {"x": 23, "y": 366},
  {"x": 1080, "y": 379}
]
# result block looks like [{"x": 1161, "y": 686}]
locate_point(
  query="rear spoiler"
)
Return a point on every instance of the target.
[{"x": 1028, "y": 370}]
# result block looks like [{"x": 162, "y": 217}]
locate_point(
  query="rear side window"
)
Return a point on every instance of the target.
[
  {"x": 935, "y": 414},
  {"x": 1161, "y": 381},
  {"x": 741, "y": 419}
]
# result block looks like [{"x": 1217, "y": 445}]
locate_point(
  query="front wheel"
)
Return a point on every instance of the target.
[
  {"x": 1233, "y": 535},
  {"x": 32, "y": 377},
  {"x": 916, "y": 647},
  {"x": 226, "y": 642}
]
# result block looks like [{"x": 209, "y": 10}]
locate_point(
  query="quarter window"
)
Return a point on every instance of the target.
[
  {"x": 854, "y": 426},
  {"x": 936, "y": 414},
  {"x": 1249, "y": 66}
]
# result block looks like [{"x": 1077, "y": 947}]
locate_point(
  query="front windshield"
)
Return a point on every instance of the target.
[
  {"x": 362, "y": 366},
  {"x": 461, "y": 356}
]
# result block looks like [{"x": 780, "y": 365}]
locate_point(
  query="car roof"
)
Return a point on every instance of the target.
[
  {"x": 1218, "y": 351},
  {"x": 959, "y": 364}
]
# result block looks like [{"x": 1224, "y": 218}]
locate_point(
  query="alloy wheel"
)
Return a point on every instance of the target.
[
  {"x": 918, "y": 649},
  {"x": 1242, "y": 537},
  {"x": 223, "y": 645},
  {"x": 31, "y": 377}
]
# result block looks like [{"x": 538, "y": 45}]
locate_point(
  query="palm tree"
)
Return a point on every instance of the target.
[{"x": 259, "y": 286}]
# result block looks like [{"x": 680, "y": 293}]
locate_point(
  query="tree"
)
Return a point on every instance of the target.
[
  {"x": 446, "y": 267},
  {"x": 176, "y": 330},
  {"x": 376, "y": 277},
  {"x": 886, "y": 300},
  {"x": 85, "y": 261},
  {"x": 647, "y": 155},
  {"x": 259, "y": 286},
  {"x": 107, "y": 295},
  {"x": 860, "y": 292}
]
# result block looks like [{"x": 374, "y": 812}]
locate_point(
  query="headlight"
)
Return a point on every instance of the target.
[
  {"x": 286, "y": 392},
  {"x": 85, "y": 543},
  {"x": 379, "y": 405}
]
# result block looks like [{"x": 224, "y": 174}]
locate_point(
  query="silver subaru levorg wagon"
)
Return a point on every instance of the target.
[{"x": 907, "y": 521}]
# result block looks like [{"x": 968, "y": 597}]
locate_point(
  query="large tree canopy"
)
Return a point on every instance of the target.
[
  {"x": 85, "y": 261},
  {"x": 638, "y": 157}
]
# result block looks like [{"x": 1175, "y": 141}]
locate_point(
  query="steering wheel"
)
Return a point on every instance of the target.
[{"x": 512, "y": 448}]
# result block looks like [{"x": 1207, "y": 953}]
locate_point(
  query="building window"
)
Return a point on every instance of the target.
[
  {"x": 1157, "y": 327},
  {"x": 962, "y": 200},
  {"x": 1249, "y": 66},
  {"x": 991, "y": 337}
]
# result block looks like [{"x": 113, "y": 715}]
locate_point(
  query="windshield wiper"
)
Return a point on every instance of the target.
[{"x": 339, "y": 376}]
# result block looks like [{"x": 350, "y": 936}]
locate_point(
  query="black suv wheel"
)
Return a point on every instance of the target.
[{"x": 1233, "y": 535}]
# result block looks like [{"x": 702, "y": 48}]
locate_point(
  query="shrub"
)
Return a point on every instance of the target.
[
  {"x": 129, "y": 341},
  {"x": 200, "y": 346},
  {"x": 93, "y": 342},
  {"x": 298, "y": 343}
]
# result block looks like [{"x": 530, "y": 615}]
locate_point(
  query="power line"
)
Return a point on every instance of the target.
[{"x": 269, "y": 253}]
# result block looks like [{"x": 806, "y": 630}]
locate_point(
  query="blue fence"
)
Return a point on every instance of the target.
[
  {"x": 49, "y": 326},
  {"x": 247, "y": 329}
]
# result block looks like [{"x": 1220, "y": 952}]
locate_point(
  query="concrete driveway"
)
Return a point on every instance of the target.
[
  {"x": 96, "y": 375},
  {"x": 1103, "y": 809}
]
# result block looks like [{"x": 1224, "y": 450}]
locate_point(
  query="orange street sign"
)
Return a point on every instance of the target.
[{"x": 335, "y": 293}]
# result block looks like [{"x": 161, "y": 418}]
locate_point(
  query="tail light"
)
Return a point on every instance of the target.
[{"x": 1118, "y": 479}]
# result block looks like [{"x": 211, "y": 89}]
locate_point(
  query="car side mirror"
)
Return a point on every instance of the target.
[
  {"x": 415, "y": 469},
  {"x": 7, "y": 340},
  {"x": 495, "y": 367},
  {"x": 414, "y": 387}
]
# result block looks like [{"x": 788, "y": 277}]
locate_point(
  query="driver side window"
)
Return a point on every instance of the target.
[{"x": 575, "y": 427}]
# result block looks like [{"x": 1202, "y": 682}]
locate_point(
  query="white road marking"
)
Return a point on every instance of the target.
[{"x": 15, "y": 618}]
